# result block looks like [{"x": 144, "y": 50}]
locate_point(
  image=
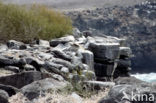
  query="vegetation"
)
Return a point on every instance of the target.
[{"x": 25, "y": 24}]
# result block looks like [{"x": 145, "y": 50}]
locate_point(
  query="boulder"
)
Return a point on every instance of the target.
[
  {"x": 6, "y": 61},
  {"x": 130, "y": 81},
  {"x": 22, "y": 79},
  {"x": 12, "y": 44},
  {"x": 12, "y": 68},
  {"x": 61, "y": 54},
  {"x": 87, "y": 58},
  {"x": 3, "y": 97},
  {"x": 105, "y": 50},
  {"x": 76, "y": 97},
  {"x": 9, "y": 89},
  {"x": 28, "y": 67},
  {"x": 76, "y": 33},
  {"x": 62, "y": 40},
  {"x": 130, "y": 93},
  {"x": 38, "y": 88},
  {"x": 65, "y": 63},
  {"x": 34, "y": 62},
  {"x": 43, "y": 43},
  {"x": 104, "y": 70},
  {"x": 125, "y": 52},
  {"x": 3, "y": 48},
  {"x": 131, "y": 90}
]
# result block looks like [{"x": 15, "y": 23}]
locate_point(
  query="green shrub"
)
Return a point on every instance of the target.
[{"x": 25, "y": 24}]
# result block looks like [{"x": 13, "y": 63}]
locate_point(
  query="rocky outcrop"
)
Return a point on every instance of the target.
[
  {"x": 136, "y": 23},
  {"x": 131, "y": 90},
  {"x": 52, "y": 65}
]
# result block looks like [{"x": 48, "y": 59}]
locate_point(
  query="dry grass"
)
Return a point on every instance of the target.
[
  {"x": 59, "y": 98},
  {"x": 24, "y": 24}
]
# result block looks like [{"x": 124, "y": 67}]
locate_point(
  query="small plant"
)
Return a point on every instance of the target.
[{"x": 25, "y": 24}]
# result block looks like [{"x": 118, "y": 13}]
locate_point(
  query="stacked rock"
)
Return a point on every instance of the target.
[
  {"x": 124, "y": 63},
  {"x": 111, "y": 56}
]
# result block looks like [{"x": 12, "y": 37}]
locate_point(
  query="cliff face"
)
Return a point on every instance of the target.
[{"x": 136, "y": 23}]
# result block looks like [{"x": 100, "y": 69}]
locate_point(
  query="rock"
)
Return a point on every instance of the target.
[
  {"x": 9, "y": 89},
  {"x": 125, "y": 51},
  {"x": 76, "y": 97},
  {"x": 3, "y": 48},
  {"x": 104, "y": 47},
  {"x": 124, "y": 63},
  {"x": 105, "y": 51},
  {"x": 62, "y": 40},
  {"x": 12, "y": 68},
  {"x": 22, "y": 79},
  {"x": 61, "y": 54},
  {"x": 88, "y": 58},
  {"x": 104, "y": 70},
  {"x": 3, "y": 97},
  {"x": 133, "y": 93},
  {"x": 131, "y": 89},
  {"x": 12, "y": 44},
  {"x": 64, "y": 70},
  {"x": 6, "y": 61},
  {"x": 99, "y": 84},
  {"x": 89, "y": 75},
  {"x": 28, "y": 67},
  {"x": 129, "y": 81},
  {"x": 34, "y": 62},
  {"x": 4, "y": 94},
  {"x": 43, "y": 43},
  {"x": 38, "y": 88},
  {"x": 76, "y": 33},
  {"x": 67, "y": 64}
]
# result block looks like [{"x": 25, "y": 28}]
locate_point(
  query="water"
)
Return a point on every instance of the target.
[{"x": 149, "y": 77}]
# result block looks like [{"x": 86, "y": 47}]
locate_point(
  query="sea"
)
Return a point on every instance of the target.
[{"x": 149, "y": 77}]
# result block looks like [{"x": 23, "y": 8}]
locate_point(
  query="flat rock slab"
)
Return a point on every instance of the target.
[
  {"x": 22, "y": 79},
  {"x": 99, "y": 84},
  {"x": 38, "y": 88}
]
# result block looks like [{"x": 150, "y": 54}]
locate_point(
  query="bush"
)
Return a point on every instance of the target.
[{"x": 25, "y": 24}]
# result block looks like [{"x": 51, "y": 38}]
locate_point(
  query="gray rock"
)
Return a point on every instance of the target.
[
  {"x": 99, "y": 84},
  {"x": 125, "y": 51},
  {"x": 12, "y": 68},
  {"x": 76, "y": 97},
  {"x": 9, "y": 89},
  {"x": 64, "y": 70},
  {"x": 129, "y": 81},
  {"x": 3, "y": 97},
  {"x": 76, "y": 33},
  {"x": 61, "y": 54},
  {"x": 28, "y": 67},
  {"x": 5, "y": 61},
  {"x": 3, "y": 48},
  {"x": 88, "y": 58},
  {"x": 62, "y": 40},
  {"x": 12, "y": 44},
  {"x": 67, "y": 64},
  {"x": 38, "y": 88},
  {"x": 133, "y": 93},
  {"x": 22, "y": 79},
  {"x": 131, "y": 89},
  {"x": 104, "y": 70},
  {"x": 34, "y": 62},
  {"x": 43, "y": 43},
  {"x": 104, "y": 48}
]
